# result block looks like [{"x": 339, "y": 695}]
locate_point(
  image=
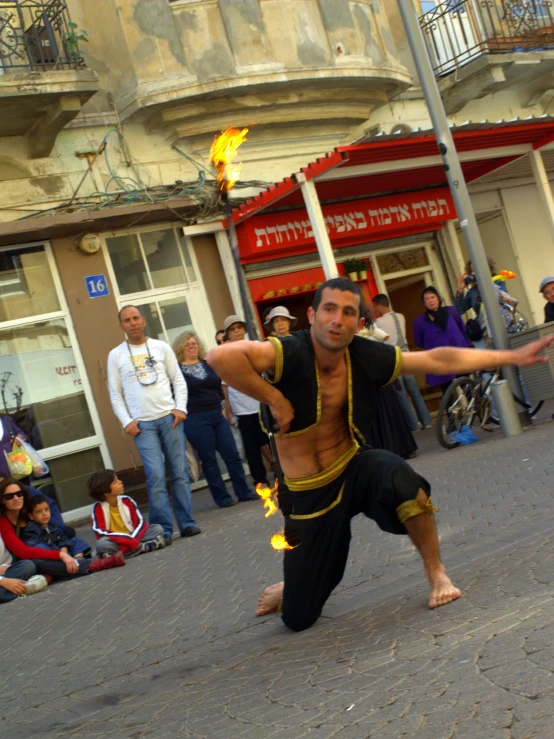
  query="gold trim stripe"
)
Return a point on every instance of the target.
[
  {"x": 397, "y": 365},
  {"x": 279, "y": 360},
  {"x": 305, "y": 516},
  {"x": 320, "y": 479},
  {"x": 411, "y": 508}
]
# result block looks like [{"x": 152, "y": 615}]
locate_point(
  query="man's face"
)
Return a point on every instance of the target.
[
  {"x": 377, "y": 310},
  {"x": 236, "y": 332},
  {"x": 548, "y": 292},
  {"x": 41, "y": 514},
  {"x": 132, "y": 323},
  {"x": 336, "y": 319}
]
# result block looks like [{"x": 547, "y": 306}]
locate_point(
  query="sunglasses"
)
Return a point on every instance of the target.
[{"x": 11, "y": 496}]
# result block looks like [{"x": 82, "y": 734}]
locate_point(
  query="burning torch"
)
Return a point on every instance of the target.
[{"x": 223, "y": 152}]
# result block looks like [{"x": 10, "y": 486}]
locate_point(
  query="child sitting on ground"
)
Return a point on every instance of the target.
[
  {"x": 116, "y": 520},
  {"x": 43, "y": 533}
]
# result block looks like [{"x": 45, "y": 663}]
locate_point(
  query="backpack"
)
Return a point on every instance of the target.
[{"x": 474, "y": 332}]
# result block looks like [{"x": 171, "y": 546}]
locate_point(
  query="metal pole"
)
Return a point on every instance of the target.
[
  {"x": 460, "y": 194},
  {"x": 509, "y": 420}
]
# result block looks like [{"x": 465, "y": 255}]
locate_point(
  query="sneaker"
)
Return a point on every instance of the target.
[
  {"x": 252, "y": 496},
  {"x": 36, "y": 584},
  {"x": 160, "y": 542},
  {"x": 191, "y": 531},
  {"x": 228, "y": 504},
  {"x": 168, "y": 538}
]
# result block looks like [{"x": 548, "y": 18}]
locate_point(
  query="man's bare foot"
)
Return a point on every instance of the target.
[
  {"x": 270, "y": 600},
  {"x": 442, "y": 589}
]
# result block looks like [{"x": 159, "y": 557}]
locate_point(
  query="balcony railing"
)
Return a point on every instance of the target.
[
  {"x": 458, "y": 31},
  {"x": 37, "y": 36}
]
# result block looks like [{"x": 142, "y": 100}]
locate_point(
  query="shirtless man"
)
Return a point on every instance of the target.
[{"x": 321, "y": 392}]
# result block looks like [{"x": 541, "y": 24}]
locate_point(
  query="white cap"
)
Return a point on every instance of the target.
[{"x": 280, "y": 310}]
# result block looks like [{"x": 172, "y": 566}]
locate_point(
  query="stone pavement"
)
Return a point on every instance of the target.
[{"x": 168, "y": 646}]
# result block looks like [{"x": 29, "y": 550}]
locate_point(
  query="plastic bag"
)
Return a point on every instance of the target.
[
  {"x": 40, "y": 468},
  {"x": 464, "y": 436},
  {"x": 19, "y": 462}
]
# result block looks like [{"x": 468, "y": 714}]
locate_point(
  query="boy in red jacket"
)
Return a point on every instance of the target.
[{"x": 116, "y": 520}]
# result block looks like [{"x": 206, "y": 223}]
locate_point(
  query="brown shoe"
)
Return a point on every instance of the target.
[{"x": 114, "y": 560}]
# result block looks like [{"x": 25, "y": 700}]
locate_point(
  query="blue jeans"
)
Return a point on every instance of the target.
[
  {"x": 209, "y": 432},
  {"x": 411, "y": 388},
  {"x": 158, "y": 440},
  {"x": 21, "y": 570}
]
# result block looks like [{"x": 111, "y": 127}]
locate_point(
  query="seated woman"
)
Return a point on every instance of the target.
[
  {"x": 205, "y": 426},
  {"x": 56, "y": 563}
]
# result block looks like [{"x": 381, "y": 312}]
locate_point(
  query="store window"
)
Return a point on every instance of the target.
[
  {"x": 43, "y": 384},
  {"x": 150, "y": 260},
  {"x": 155, "y": 269}
]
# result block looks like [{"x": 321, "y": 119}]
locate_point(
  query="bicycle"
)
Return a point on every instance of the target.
[{"x": 466, "y": 400}]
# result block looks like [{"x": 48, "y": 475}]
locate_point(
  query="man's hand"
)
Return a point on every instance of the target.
[
  {"x": 3, "y": 568},
  {"x": 531, "y": 353},
  {"x": 229, "y": 416},
  {"x": 70, "y": 564},
  {"x": 178, "y": 417},
  {"x": 461, "y": 283},
  {"x": 132, "y": 428},
  {"x": 17, "y": 587},
  {"x": 282, "y": 412}
]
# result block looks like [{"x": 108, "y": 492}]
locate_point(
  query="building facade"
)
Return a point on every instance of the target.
[{"x": 107, "y": 196}]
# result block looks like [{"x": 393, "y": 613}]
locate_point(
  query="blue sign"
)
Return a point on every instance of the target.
[{"x": 97, "y": 286}]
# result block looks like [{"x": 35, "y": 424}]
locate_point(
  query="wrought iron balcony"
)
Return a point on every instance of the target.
[
  {"x": 37, "y": 36},
  {"x": 458, "y": 31}
]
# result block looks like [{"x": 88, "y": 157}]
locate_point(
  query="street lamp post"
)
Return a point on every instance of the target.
[{"x": 460, "y": 194}]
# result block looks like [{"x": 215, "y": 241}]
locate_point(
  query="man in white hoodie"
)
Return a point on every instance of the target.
[{"x": 149, "y": 396}]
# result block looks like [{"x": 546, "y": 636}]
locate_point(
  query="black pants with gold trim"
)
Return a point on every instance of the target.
[{"x": 375, "y": 483}]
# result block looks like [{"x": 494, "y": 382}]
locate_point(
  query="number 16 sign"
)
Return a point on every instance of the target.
[{"x": 97, "y": 286}]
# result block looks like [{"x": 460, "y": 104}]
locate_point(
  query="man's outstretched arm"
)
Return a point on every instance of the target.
[
  {"x": 450, "y": 360},
  {"x": 240, "y": 365}
]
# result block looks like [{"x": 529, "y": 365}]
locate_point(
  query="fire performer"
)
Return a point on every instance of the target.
[{"x": 321, "y": 393}]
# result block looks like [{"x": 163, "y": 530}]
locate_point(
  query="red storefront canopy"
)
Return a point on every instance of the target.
[{"x": 400, "y": 163}]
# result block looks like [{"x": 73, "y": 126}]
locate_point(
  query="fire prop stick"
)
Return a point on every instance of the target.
[{"x": 222, "y": 155}]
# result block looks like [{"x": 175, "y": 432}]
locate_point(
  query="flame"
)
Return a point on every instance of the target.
[
  {"x": 266, "y": 494},
  {"x": 222, "y": 153},
  {"x": 279, "y": 542}
]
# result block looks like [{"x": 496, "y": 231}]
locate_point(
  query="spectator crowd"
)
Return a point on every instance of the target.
[{"x": 167, "y": 397}]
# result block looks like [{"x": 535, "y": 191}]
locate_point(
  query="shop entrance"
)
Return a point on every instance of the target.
[{"x": 403, "y": 273}]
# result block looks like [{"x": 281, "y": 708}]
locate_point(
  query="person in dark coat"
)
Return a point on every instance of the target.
[{"x": 439, "y": 325}]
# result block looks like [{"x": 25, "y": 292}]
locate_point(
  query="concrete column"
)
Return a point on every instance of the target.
[
  {"x": 315, "y": 214},
  {"x": 543, "y": 187},
  {"x": 455, "y": 248}
]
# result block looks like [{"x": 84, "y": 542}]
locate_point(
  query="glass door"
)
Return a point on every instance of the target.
[{"x": 43, "y": 382}]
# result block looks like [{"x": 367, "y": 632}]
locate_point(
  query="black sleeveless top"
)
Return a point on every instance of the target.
[{"x": 370, "y": 365}]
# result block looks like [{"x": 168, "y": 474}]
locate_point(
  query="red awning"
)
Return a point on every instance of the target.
[{"x": 398, "y": 163}]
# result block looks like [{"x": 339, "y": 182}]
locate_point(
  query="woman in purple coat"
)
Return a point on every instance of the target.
[{"x": 440, "y": 325}]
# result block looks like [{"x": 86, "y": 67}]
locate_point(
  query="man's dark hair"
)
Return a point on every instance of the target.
[
  {"x": 100, "y": 483},
  {"x": 490, "y": 262},
  {"x": 344, "y": 285},
  {"x": 36, "y": 500},
  {"x": 381, "y": 299},
  {"x": 128, "y": 306}
]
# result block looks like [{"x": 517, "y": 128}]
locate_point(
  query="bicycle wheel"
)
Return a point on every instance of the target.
[{"x": 457, "y": 409}]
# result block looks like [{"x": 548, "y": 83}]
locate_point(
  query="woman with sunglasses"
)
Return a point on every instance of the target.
[
  {"x": 205, "y": 427},
  {"x": 58, "y": 565}
]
